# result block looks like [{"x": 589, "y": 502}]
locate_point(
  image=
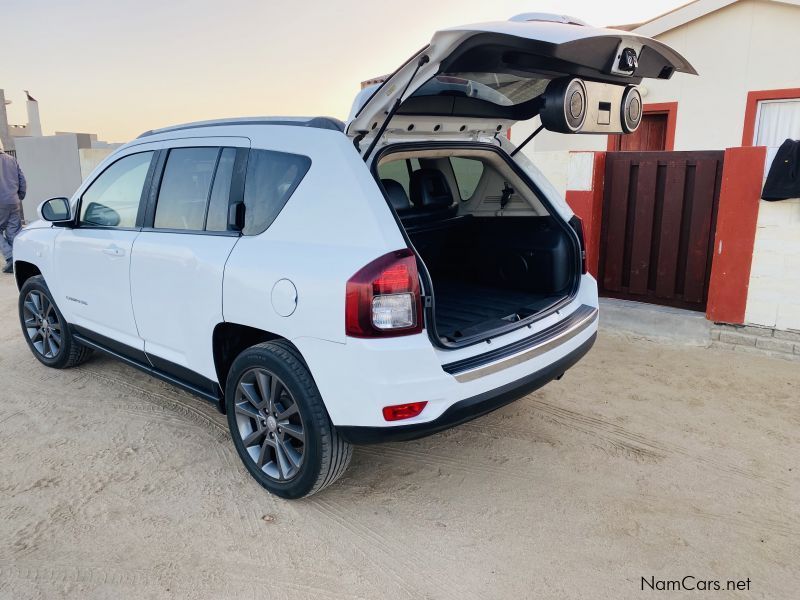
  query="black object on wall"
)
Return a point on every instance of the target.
[{"x": 783, "y": 179}]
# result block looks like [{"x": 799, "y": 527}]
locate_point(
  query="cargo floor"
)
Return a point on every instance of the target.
[{"x": 464, "y": 310}]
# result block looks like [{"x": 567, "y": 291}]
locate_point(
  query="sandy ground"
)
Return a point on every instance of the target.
[{"x": 643, "y": 461}]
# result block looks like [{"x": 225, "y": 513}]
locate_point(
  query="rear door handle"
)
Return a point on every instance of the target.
[{"x": 114, "y": 251}]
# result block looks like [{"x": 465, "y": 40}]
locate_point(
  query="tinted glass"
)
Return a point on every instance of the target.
[
  {"x": 503, "y": 89},
  {"x": 185, "y": 185},
  {"x": 396, "y": 170},
  {"x": 113, "y": 198},
  {"x": 217, "y": 219},
  {"x": 468, "y": 173},
  {"x": 271, "y": 179},
  {"x": 399, "y": 171}
]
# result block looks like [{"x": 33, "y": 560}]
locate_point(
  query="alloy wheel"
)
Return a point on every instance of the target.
[
  {"x": 269, "y": 424},
  {"x": 42, "y": 324}
]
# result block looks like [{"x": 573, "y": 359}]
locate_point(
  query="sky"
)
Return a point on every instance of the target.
[{"x": 121, "y": 67}]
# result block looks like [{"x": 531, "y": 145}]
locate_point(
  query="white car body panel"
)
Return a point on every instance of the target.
[
  {"x": 359, "y": 378},
  {"x": 176, "y": 290},
  {"x": 92, "y": 286},
  {"x": 318, "y": 255}
]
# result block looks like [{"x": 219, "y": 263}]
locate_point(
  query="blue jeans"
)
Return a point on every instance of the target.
[{"x": 10, "y": 224}]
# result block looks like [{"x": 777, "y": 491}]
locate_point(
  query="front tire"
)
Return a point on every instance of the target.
[
  {"x": 46, "y": 331},
  {"x": 279, "y": 424}
]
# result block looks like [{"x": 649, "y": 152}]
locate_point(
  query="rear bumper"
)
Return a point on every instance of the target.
[{"x": 469, "y": 408}]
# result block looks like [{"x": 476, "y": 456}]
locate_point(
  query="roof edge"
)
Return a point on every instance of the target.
[
  {"x": 315, "y": 122},
  {"x": 686, "y": 14}
]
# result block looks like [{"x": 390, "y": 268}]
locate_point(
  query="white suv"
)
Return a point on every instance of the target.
[{"x": 327, "y": 285}]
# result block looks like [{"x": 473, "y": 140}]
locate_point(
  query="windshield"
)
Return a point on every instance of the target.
[{"x": 502, "y": 89}]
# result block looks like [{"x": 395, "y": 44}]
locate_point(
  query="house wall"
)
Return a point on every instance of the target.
[
  {"x": 52, "y": 167},
  {"x": 91, "y": 157}
]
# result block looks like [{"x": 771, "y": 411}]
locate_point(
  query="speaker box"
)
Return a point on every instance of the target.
[{"x": 573, "y": 105}]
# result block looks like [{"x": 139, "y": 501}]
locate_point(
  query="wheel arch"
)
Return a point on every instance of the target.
[
  {"x": 229, "y": 340},
  {"x": 23, "y": 271}
]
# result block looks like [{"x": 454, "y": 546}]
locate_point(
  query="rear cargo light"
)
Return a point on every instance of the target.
[
  {"x": 398, "y": 412},
  {"x": 383, "y": 299},
  {"x": 577, "y": 225}
]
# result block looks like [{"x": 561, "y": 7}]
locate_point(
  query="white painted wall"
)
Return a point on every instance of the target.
[
  {"x": 91, "y": 157},
  {"x": 566, "y": 170},
  {"x": 34, "y": 121},
  {"x": 52, "y": 167},
  {"x": 773, "y": 298}
]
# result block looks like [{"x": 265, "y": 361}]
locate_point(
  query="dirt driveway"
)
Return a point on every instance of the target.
[{"x": 644, "y": 461}]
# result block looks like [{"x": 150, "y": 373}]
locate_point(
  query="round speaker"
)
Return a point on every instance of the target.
[
  {"x": 575, "y": 104},
  {"x": 631, "y": 109},
  {"x": 564, "y": 105}
]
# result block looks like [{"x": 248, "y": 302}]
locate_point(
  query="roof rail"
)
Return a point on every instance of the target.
[{"x": 315, "y": 122}]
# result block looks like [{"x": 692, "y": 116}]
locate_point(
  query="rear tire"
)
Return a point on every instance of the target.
[
  {"x": 46, "y": 331},
  {"x": 279, "y": 424}
]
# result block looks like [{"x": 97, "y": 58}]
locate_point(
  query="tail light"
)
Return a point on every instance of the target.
[
  {"x": 577, "y": 225},
  {"x": 384, "y": 299}
]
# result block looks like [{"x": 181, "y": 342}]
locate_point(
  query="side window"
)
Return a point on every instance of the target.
[
  {"x": 271, "y": 178},
  {"x": 112, "y": 200},
  {"x": 468, "y": 173},
  {"x": 217, "y": 219},
  {"x": 397, "y": 170},
  {"x": 185, "y": 187},
  {"x": 400, "y": 171}
]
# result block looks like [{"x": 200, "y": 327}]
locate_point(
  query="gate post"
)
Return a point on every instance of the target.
[
  {"x": 737, "y": 214},
  {"x": 585, "y": 198}
]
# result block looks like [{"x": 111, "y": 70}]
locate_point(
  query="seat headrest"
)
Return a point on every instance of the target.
[
  {"x": 396, "y": 193},
  {"x": 429, "y": 189}
]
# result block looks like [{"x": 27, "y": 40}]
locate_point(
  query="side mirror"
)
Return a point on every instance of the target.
[
  {"x": 236, "y": 216},
  {"x": 55, "y": 210}
]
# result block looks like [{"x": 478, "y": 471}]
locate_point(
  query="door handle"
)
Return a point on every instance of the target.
[{"x": 114, "y": 251}]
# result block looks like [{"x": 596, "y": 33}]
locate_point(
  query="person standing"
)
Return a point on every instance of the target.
[{"x": 12, "y": 192}]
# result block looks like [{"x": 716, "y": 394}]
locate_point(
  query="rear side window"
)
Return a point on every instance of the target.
[
  {"x": 185, "y": 188},
  {"x": 271, "y": 179},
  {"x": 468, "y": 173},
  {"x": 400, "y": 171},
  {"x": 396, "y": 170}
]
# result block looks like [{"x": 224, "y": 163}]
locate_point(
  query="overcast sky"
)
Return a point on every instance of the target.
[{"x": 120, "y": 67}]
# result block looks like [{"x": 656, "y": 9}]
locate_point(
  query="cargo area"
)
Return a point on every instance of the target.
[{"x": 494, "y": 254}]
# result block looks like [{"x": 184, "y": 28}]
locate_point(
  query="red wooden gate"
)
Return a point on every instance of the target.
[{"x": 659, "y": 216}]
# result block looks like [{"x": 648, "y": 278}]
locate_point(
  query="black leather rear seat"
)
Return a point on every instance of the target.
[
  {"x": 396, "y": 194},
  {"x": 431, "y": 199}
]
